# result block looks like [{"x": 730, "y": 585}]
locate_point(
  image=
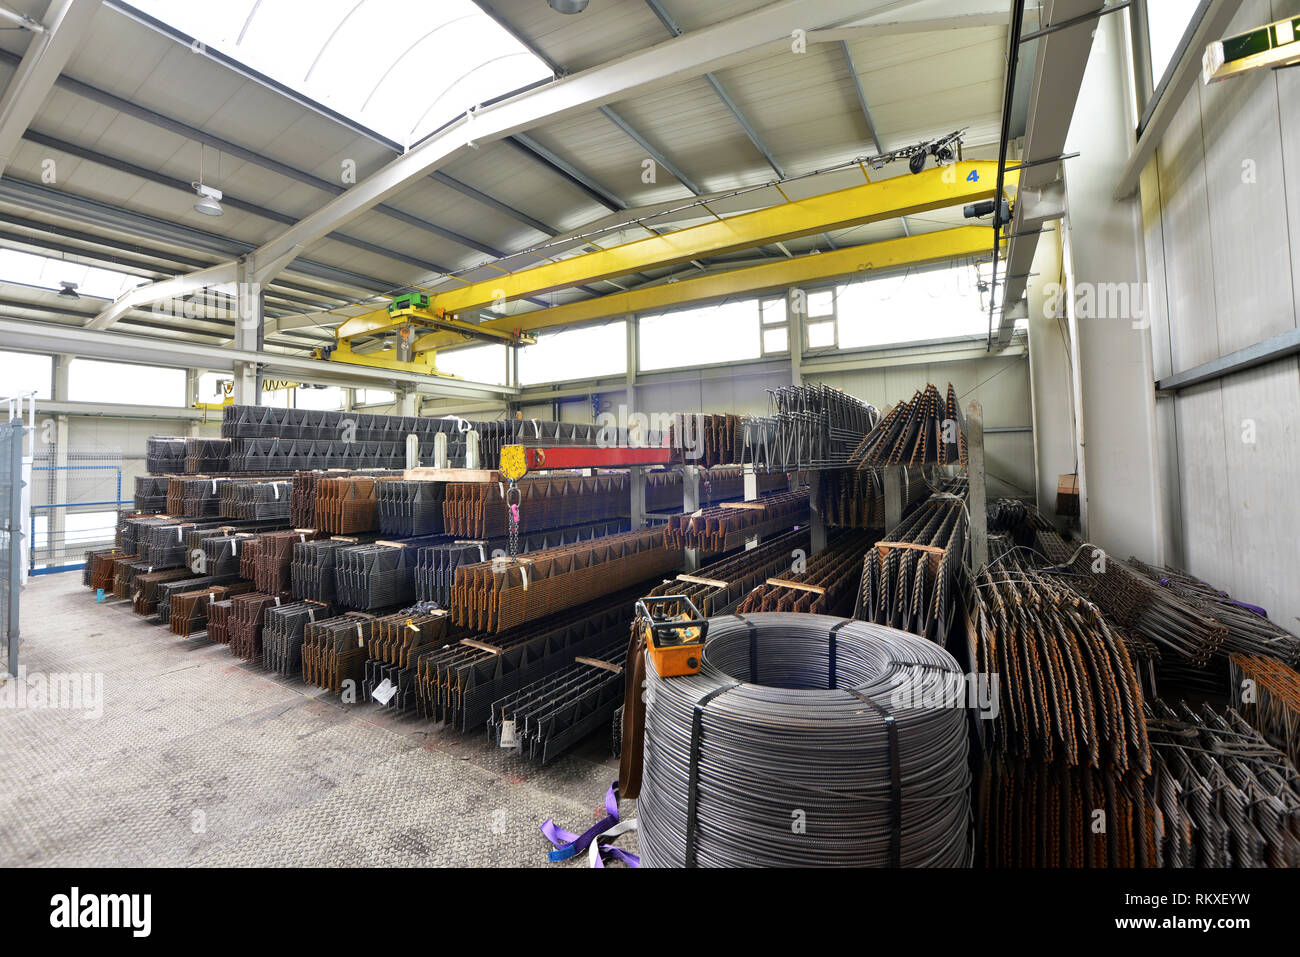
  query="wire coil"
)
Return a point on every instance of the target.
[{"x": 807, "y": 740}]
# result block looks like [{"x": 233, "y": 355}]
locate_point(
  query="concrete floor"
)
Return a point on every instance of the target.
[{"x": 201, "y": 759}]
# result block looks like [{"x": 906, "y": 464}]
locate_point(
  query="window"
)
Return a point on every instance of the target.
[
  {"x": 776, "y": 327},
  {"x": 46, "y": 272},
  {"x": 402, "y": 68},
  {"x": 575, "y": 354},
  {"x": 727, "y": 332},
  {"x": 374, "y": 397},
  {"x": 211, "y": 389},
  {"x": 776, "y": 340},
  {"x": 1167, "y": 21},
  {"x": 328, "y": 399},
  {"x": 915, "y": 306},
  {"x": 486, "y": 364},
  {"x": 819, "y": 317},
  {"x": 21, "y": 372},
  {"x": 90, "y": 380}
]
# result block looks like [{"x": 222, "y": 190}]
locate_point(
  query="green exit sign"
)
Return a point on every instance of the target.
[{"x": 1275, "y": 45}]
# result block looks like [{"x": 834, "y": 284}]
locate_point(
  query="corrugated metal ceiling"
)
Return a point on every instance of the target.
[{"x": 802, "y": 106}]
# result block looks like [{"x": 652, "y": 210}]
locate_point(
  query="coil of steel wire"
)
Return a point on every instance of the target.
[{"x": 847, "y": 747}]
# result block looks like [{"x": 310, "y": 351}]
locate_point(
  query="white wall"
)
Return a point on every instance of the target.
[{"x": 1221, "y": 217}]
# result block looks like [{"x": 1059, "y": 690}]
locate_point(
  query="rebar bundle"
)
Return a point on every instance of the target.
[
  {"x": 311, "y": 572},
  {"x": 435, "y": 565},
  {"x": 262, "y": 501},
  {"x": 855, "y": 499},
  {"x": 272, "y": 558},
  {"x": 1142, "y": 606},
  {"x": 345, "y": 506},
  {"x": 909, "y": 581},
  {"x": 715, "y": 589},
  {"x": 1267, "y": 694},
  {"x": 334, "y": 652},
  {"x": 1065, "y": 681},
  {"x": 1235, "y": 799},
  {"x": 828, "y": 584},
  {"x": 478, "y": 509},
  {"x": 371, "y": 577},
  {"x": 458, "y": 683},
  {"x": 728, "y": 526},
  {"x": 546, "y": 717},
  {"x": 144, "y": 588},
  {"x": 498, "y": 595},
  {"x": 1249, "y": 629},
  {"x": 814, "y": 427},
  {"x": 924, "y": 431},
  {"x": 164, "y": 454},
  {"x": 169, "y": 590},
  {"x": 219, "y": 621},
  {"x": 247, "y": 612},
  {"x": 102, "y": 564},
  {"x": 150, "y": 493},
  {"x": 188, "y": 613},
  {"x": 705, "y": 440},
  {"x": 409, "y": 509},
  {"x": 283, "y": 628},
  {"x": 222, "y": 555},
  {"x": 207, "y": 455},
  {"x": 806, "y": 740},
  {"x": 396, "y": 641},
  {"x": 1037, "y": 814}
]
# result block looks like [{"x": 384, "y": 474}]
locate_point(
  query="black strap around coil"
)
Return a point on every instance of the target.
[
  {"x": 830, "y": 681},
  {"x": 896, "y": 778},
  {"x": 753, "y": 648},
  {"x": 697, "y": 723}
]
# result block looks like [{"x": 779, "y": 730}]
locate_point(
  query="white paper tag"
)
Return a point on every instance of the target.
[
  {"x": 214, "y": 486},
  {"x": 234, "y": 546},
  {"x": 275, "y": 488},
  {"x": 178, "y": 533},
  {"x": 384, "y": 693},
  {"x": 361, "y": 641},
  {"x": 277, "y": 601},
  {"x": 508, "y": 737}
]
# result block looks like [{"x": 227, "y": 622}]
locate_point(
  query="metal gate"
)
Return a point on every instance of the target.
[{"x": 11, "y": 537}]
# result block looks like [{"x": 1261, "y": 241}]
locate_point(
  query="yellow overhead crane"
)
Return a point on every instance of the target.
[{"x": 424, "y": 323}]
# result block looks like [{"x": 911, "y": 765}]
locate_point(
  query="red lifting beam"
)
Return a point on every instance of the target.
[{"x": 567, "y": 457}]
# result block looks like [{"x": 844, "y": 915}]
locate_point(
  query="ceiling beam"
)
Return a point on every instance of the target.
[
  {"x": 153, "y": 118},
  {"x": 322, "y": 300},
  {"x": 234, "y": 202},
  {"x": 1058, "y": 76},
  {"x": 50, "y": 337},
  {"x": 690, "y": 55},
  {"x": 671, "y": 26},
  {"x": 939, "y": 246},
  {"x": 65, "y": 24},
  {"x": 48, "y": 201},
  {"x": 940, "y": 188},
  {"x": 567, "y": 171}
]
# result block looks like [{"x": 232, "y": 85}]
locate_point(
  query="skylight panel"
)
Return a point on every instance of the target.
[
  {"x": 47, "y": 272},
  {"x": 401, "y": 68}
]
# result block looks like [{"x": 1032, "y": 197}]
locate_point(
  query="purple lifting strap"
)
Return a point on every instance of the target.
[{"x": 567, "y": 844}]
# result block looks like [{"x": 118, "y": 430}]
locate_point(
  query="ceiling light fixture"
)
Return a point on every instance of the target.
[
  {"x": 568, "y": 6},
  {"x": 69, "y": 290},
  {"x": 209, "y": 203}
]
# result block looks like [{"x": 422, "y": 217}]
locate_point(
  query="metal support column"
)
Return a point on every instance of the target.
[
  {"x": 691, "y": 504},
  {"x": 816, "y": 512},
  {"x": 12, "y": 448},
  {"x": 637, "y": 505},
  {"x": 977, "y": 501},
  {"x": 893, "y": 480},
  {"x": 250, "y": 330}
]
